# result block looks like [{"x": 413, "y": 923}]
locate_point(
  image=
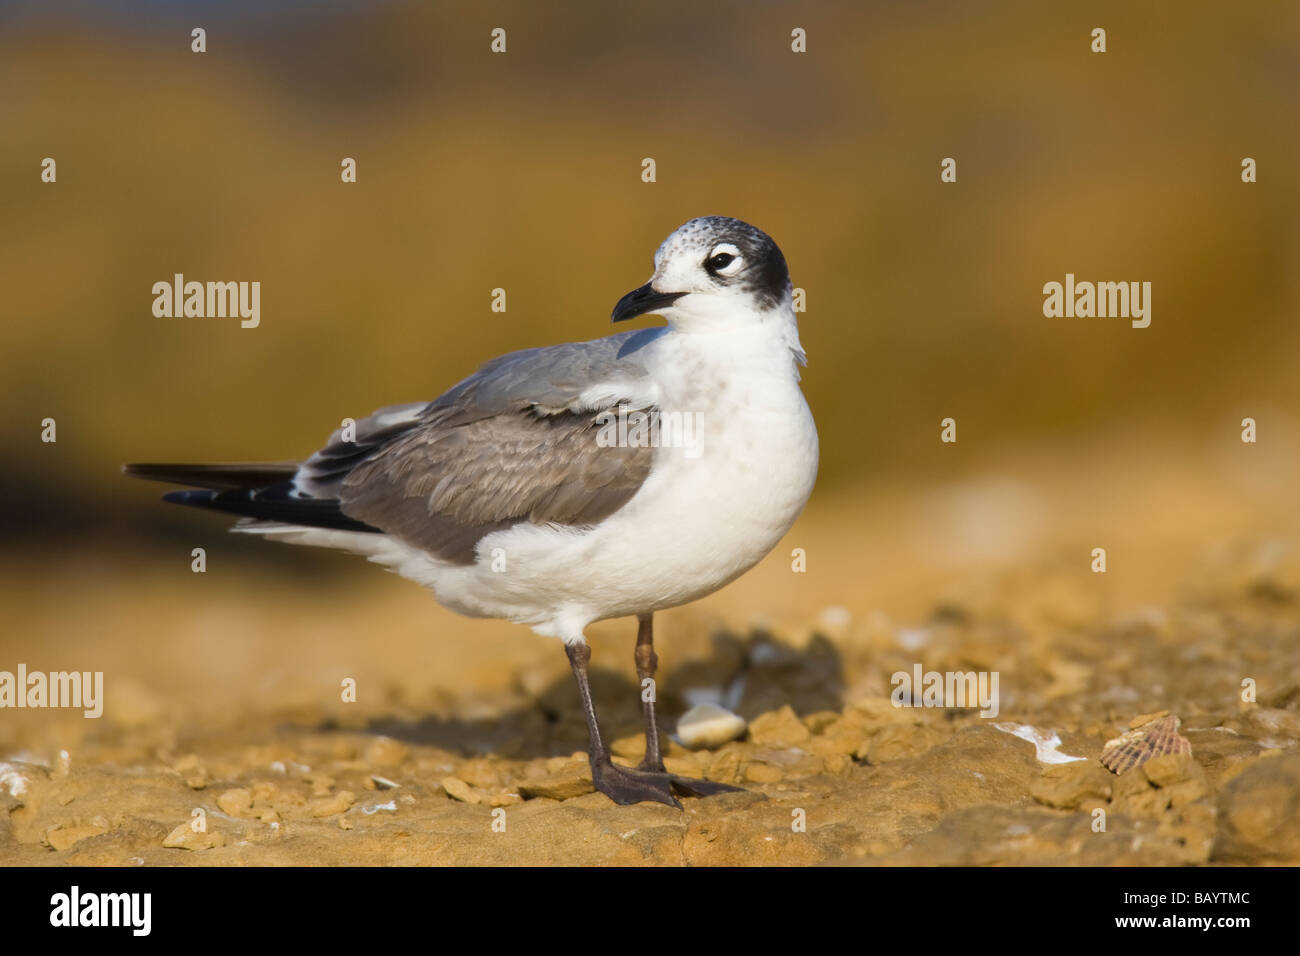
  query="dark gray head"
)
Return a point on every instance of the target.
[{"x": 709, "y": 268}]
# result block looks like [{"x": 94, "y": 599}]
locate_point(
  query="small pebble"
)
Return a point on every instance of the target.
[
  {"x": 235, "y": 802},
  {"x": 328, "y": 806},
  {"x": 458, "y": 789},
  {"x": 61, "y": 837},
  {"x": 708, "y": 725},
  {"x": 184, "y": 838},
  {"x": 573, "y": 781}
]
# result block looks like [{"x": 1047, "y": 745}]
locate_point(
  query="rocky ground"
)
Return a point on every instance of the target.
[{"x": 832, "y": 771}]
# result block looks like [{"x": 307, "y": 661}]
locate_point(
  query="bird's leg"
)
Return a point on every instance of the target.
[
  {"x": 647, "y": 661},
  {"x": 623, "y": 785}
]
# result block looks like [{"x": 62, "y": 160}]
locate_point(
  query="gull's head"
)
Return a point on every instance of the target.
[{"x": 712, "y": 272}]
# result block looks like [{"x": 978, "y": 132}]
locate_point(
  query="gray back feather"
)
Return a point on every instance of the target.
[{"x": 513, "y": 442}]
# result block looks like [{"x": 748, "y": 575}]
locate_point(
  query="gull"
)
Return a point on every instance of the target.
[{"x": 575, "y": 483}]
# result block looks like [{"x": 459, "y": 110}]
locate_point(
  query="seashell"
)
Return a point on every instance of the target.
[{"x": 1154, "y": 738}]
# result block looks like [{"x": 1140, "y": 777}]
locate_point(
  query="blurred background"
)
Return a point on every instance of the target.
[{"x": 523, "y": 171}]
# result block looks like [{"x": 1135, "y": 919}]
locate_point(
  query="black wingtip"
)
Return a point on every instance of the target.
[
  {"x": 274, "y": 503},
  {"x": 218, "y": 477},
  {"x": 199, "y": 498}
]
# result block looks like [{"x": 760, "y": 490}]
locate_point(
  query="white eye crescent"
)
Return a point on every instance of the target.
[{"x": 724, "y": 259}]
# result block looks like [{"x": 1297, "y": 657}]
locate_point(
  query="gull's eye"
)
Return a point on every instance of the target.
[{"x": 724, "y": 260}]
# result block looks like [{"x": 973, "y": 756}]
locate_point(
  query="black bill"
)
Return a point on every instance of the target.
[{"x": 643, "y": 300}]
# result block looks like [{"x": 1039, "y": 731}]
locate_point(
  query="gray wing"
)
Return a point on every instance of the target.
[{"x": 516, "y": 441}]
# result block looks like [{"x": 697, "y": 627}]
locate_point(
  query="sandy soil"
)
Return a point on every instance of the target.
[{"x": 486, "y": 766}]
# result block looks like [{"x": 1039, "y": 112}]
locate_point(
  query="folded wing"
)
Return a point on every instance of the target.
[{"x": 517, "y": 441}]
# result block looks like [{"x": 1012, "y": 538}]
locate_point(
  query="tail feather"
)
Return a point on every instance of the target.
[
  {"x": 216, "y": 477},
  {"x": 260, "y": 492}
]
